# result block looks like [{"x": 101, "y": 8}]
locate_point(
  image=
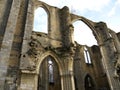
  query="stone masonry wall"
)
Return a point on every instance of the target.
[{"x": 23, "y": 51}]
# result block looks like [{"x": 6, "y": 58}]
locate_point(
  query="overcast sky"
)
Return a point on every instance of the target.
[{"x": 95, "y": 10}]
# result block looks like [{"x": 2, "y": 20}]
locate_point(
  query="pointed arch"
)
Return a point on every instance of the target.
[
  {"x": 53, "y": 55},
  {"x": 46, "y": 9},
  {"x": 89, "y": 24},
  {"x": 87, "y": 56},
  {"x": 51, "y": 70},
  {"x": 88, "y": 83},
  {"x": 49, "y": 75},
  {"x": 82, "y": 30},
  {"x": 41, "y": 20}
]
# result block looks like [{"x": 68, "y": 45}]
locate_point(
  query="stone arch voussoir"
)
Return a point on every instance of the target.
[{"x": 44, "y": 6}]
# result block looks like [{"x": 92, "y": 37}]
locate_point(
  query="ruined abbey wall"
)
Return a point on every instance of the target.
[{"x": 26, "y": 55}]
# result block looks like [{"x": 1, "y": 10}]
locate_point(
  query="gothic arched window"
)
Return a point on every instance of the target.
[
  {"x": 49, "y": 77},
  {"x": 50, "y": 70},
  {"x": 89, "y": 85},
  {"x": 87, "y": 56},
  {"x": 40, "y": 20}
]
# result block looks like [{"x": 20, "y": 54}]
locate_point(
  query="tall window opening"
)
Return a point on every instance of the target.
[
  {"x": 89, "y": 85},
  {"x": 49, "y": 77},
  {"x": 50, "y": 70},
  {"x": 87, "y": 56},
  {"x": 40, "y": 21},
  {"x": 83, "y": 34}
]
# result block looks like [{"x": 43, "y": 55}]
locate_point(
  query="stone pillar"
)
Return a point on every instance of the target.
[
  {"x": 67, "y": 82},
  {"x": 110, "y": 68},
  {"x": 78, "y": 69},
  {"x": 45, "y": 74},
  {"x": 27, "y": 33},
  {"x": 7, "y": 41},
  {"x": 13, "y": 69},
  {"x": 53, "y": 24},
  {"x": 28, "y": 81},
  {"x": 66, "y": 27},
  {"x": 54, "y": 27},
  {"x": 116, "y": 40},
  {"x": 107, "y": 51},
  {"x": 67, "y": 76},
  {"x": 117, "y": 46},
  {"x": 5, "y": 7}
]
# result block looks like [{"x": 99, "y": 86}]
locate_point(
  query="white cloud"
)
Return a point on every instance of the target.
[
  {"x": 94, "y": 5},
  {"x": 112, "y": 12},
  {"x": 113, "y": 27},
  {"x": 82, "y": 7},
  {"x": 118, "y": 2},
  {"x": 114, "y": 8}
]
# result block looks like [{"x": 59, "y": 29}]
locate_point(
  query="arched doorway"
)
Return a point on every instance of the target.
[
  {"x": 49, "y": 77},
  {"x": 88, "y": 82}
]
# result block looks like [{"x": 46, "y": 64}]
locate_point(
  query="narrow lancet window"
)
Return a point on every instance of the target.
[
  {"x": 50, "y": 70},
  {"x": 87, "y": 56}
]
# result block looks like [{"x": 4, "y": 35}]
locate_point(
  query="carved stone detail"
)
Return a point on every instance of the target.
[{"x": 32, "y": 55}]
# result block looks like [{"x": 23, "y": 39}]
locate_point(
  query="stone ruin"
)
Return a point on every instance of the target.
[{"x": 32, "y": 60}]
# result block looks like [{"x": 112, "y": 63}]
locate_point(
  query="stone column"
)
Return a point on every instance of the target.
[
  {"x": 67, "y": 81},
  {"x": 67, "y": 76},
  {"x": 107, "y": 51},
  {"x": 27, "y": 33},
  {"x": 28, "y": 80},
  {"x": 66, "y": 27},
  {"x": 53, "y": 24},
  {"x": 110, "y": 68},
  {"x": 117, "y": 46},
  {"x": 45, "y": 74},
  {"x": 7, "y": 41},
  {"x": 116, "y": 40},
  {"x": 5, "y": 7}
]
